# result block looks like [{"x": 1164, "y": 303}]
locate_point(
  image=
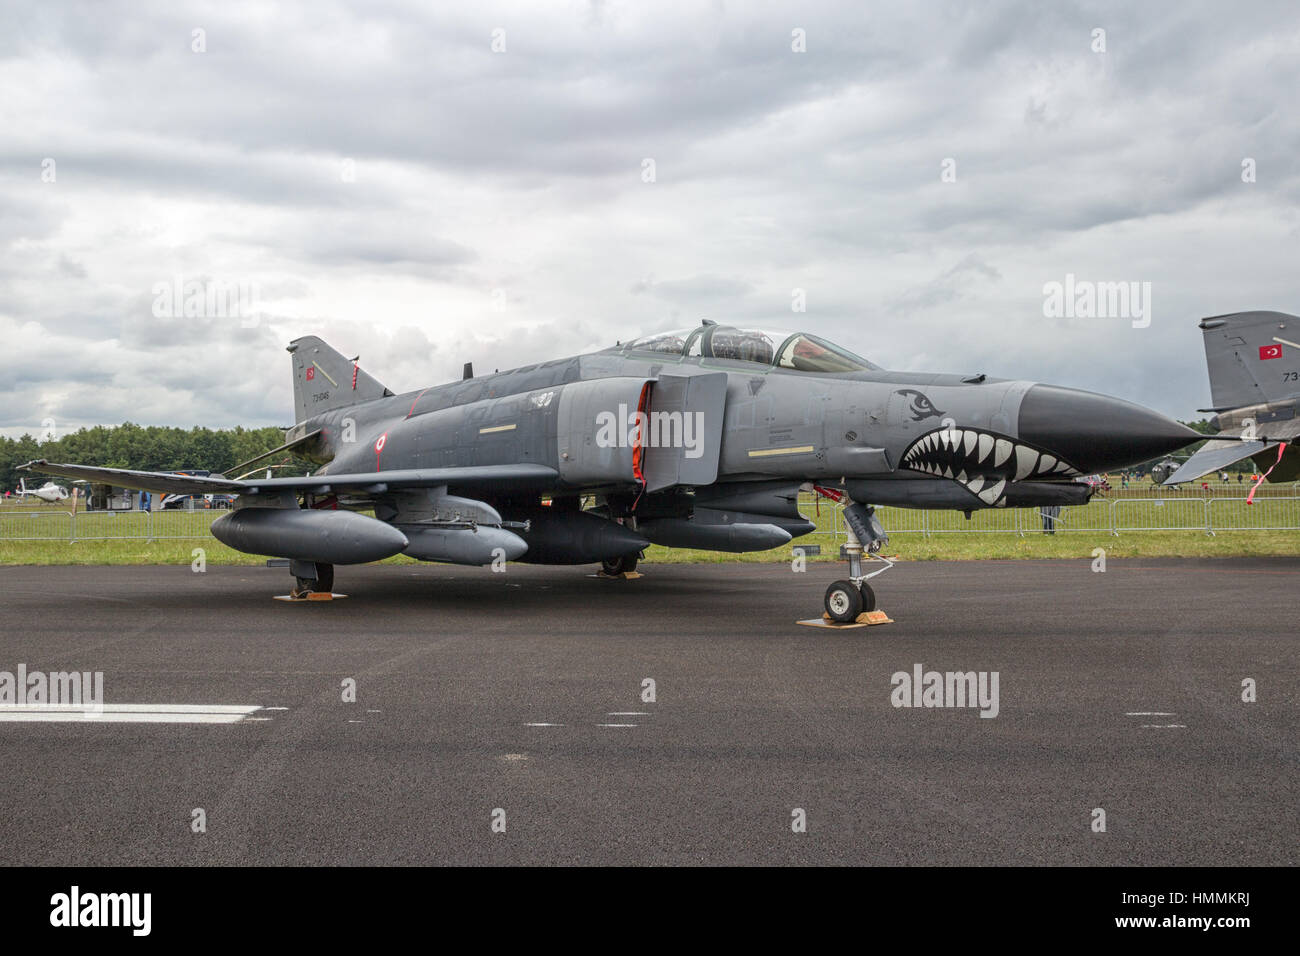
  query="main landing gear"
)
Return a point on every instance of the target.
[
  {"x": 312, "y": 578},
  {"x": 847, "y": 599},
  {"x": 624, "y": 564}
]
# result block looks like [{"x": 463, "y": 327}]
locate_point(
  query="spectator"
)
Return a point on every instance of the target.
[{"x": 1050, "y": 515}]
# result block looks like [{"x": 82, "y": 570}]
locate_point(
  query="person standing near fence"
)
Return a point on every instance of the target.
[{"x": 1050, "y": 515}]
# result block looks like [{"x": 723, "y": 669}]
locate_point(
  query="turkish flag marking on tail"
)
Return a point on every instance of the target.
[
  {"x": 1270, "y": 351},
  {"x": 311, "y": 373}
]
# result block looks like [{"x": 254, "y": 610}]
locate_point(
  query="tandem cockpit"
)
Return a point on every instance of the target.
[{"x": 798, "y": 351}]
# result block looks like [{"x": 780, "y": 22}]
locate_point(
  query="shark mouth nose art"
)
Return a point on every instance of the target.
[{"x": 982, "y": 461}]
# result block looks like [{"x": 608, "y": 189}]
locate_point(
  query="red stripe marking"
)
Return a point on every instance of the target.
[{"x": 417, "y": 398}]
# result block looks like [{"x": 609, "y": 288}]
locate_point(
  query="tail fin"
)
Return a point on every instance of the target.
[
  {"x": 324, "y": 380},
  {"x": 1241, "y": 350}
]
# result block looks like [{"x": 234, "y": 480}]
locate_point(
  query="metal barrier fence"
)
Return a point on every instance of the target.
[
  {"x": 47, "y": 525},
  {"x": 1208, "y": 515},
  {"x": 1101, "y": 515}
]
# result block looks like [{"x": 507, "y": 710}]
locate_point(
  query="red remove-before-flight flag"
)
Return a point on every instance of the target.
[{"x": 1270, "y": 351}]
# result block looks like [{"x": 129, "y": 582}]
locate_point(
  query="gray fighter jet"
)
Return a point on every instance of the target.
[
  {"x": 700, "y": 438},
  {"x": 1253, "y": 359}
]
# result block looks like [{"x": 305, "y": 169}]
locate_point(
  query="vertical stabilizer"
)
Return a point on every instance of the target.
[{"x": 324, "y": 380}]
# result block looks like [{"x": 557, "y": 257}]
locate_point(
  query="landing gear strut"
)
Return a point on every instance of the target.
[
  {"x": 312, "y": 578},
  {"x": 846, "y": 599}
]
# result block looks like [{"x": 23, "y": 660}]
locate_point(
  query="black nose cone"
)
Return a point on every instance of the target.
[{"x": 1096, "y": 433}]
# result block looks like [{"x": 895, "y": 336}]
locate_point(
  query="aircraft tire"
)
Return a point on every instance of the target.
[
  {"x": 624, "y": 564},
  {"x": 843, "y": 602},
  {"x": 868, "y": 596},
  {"x": 323, "y": 583}
]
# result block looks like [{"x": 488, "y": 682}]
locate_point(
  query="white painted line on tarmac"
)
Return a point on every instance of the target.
[{"x": 128, "y": 713}]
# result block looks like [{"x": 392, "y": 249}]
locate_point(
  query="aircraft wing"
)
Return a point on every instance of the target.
[
  {"x": 155, "y": 481},
  {"x": 496, "y": 477},
  {"x": 1214, "y": 455}
]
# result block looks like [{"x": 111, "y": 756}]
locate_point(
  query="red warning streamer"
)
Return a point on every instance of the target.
[
  {"x": 1250, "y": 498},
  {"x": 831, "y": 493}
]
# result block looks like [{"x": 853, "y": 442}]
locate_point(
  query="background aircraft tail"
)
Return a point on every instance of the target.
[
  {"x": 324, "y": 380},
  {"x": 1247, "y": 354}
]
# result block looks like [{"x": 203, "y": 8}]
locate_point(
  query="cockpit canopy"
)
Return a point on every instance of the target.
[{"x": 799, "y": 351}]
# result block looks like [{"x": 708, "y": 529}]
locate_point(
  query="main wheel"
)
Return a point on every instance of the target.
[
  {"x": 323, "y": 583},
  {"x": 325, "y": 578},
  {"x": 624, "y": 564},
  {"x": 868, "y": 596},
  {"x": 843, "y": 602}
]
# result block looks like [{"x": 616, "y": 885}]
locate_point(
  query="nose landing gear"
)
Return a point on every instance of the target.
[{"x": 847, "y": 600}]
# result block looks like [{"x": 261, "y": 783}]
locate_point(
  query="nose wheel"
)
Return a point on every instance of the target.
[
  {"x": 845, "y": 601},
  {"x": 868, "y": 596},
  {"x": 849, "y": 598}
]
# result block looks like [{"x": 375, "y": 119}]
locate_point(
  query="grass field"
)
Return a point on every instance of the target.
[
  {"x": 951, "y": 535},
  {"x": 957, "y": 546}
]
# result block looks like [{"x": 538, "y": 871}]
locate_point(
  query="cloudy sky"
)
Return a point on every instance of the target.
[{"x": 508, "y": 184}]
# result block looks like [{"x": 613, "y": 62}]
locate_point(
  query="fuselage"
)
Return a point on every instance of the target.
[{"x": 957, "y": 436}]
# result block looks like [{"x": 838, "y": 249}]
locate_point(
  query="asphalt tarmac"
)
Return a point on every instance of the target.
[{"x": 503, "y": 718}]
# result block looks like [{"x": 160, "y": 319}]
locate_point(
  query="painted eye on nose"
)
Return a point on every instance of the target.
[{"x": 919, "y": 404}]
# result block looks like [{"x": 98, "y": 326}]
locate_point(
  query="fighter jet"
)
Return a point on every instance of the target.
[
  {"x": 1253, "y": 360},
  {"x": 698, "y": 438},
  {"x": 49, "y": 492}
]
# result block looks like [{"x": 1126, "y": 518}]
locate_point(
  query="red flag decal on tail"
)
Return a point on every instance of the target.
[
  {"x": 311, "y": 373},
  {"x": 1270, "y": 351}
]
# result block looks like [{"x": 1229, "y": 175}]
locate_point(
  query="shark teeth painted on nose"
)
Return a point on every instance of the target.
[{"x": 982, "y": 461}]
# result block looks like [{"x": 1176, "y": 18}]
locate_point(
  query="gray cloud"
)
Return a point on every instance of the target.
[{"x": 386, "y": 180}]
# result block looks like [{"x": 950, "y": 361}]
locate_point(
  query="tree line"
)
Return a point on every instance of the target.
[{"x": 144, "y": 448}]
